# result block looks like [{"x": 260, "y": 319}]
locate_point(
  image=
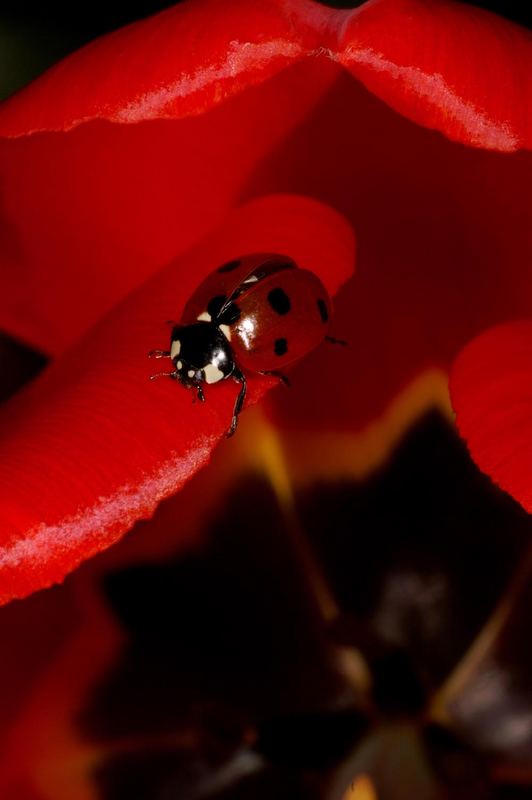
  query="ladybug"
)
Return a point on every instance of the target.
[{"x": 257, "y": 313}]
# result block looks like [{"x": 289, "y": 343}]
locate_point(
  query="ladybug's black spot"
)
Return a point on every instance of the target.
[
  {"x": 279, "y": 301},
  {"x": 215, "y": 305},
  {"x": 324, "y": 312},
  {"x": 280, "y": 347},
  {"x": 230, "y": 266}
]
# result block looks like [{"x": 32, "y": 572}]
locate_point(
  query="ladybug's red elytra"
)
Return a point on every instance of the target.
[{"x": 257, "y": 313}]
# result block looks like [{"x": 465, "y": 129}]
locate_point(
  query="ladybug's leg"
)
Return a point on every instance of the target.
[
  {"x": 239, "y": 402},
  {"x": 159, "y": 354},
  {"x": 332, "y": 340},
  {"x": 284, "y": 380},
  {"x": 164, "y": 375}
]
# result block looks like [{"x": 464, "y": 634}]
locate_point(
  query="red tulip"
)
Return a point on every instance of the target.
[{"x": 122, "y": 169}]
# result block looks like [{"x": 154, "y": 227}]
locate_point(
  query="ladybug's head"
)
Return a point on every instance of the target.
[{"x": 201, "y": 354}]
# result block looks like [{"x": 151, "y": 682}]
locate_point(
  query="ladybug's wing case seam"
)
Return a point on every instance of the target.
[
  {"x": 227, "y": 282},
  {"x": 255, "y": 276}
]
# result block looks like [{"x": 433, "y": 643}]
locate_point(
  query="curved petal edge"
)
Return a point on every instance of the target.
[{"x": 491, "y": 391}]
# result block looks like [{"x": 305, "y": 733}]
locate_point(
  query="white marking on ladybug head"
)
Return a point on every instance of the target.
[
  {"x": 191, "y": 373},
  {"x": 226, "y": 330},
  {"x": 204, "y": 317},
  {"x": 179, "y": 365},
  {"x": 212, "y": 373},
  {"x": 175, "y": 348}
]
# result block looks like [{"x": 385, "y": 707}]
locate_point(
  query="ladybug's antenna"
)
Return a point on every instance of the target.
[{"x": 332, "y": 340}]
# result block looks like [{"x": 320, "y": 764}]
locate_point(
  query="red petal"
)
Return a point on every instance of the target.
[
  {"x": 89, "y": 215},
  {"x": 448, "y": 66},
  {"x": 44, "y": 752},
  {"x": 94, "y": 445},
  {"x": 491, "y": 390},
  {"x": 33, "y": 632},
  {"x": 442, "y": 64},
  {"x": 180, "y": 62}
]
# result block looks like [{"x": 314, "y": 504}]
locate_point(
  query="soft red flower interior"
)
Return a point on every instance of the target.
[
  {"x": 444, "y": 232},
  {"x": 89, "y": 214},
  {"x": 444, "y": 241}
]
